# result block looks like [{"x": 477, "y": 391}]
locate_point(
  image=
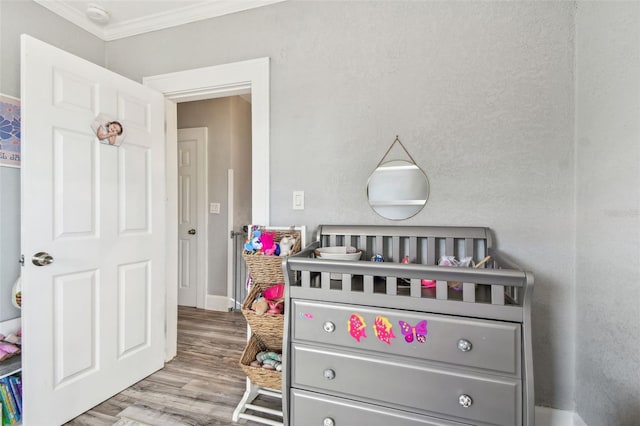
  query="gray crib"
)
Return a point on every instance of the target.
[{"x": 368, "y": 343}]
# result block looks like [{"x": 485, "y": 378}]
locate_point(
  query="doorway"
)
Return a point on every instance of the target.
[
  {"x": 215, "y": 204},
  {"x": 239, "y": 78}
]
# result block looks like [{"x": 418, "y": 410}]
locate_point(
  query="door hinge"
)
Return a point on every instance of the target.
[{"x": 21, "y": 261}]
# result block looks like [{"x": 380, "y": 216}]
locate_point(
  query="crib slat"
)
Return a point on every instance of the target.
[
  {"x": 379, "y": 245},
  {"x": 469, "y": 292},
  {"x": 497, "y": 294},
  {"x": 346, "y": 282},
  {"x": 306, "y": 279},
  {"x": 431, "y": 251},
  {"x": 368, "y": 284},
  {"x": 363, "y": 247},
  {"x": 441, "y": 290},
  {"x": 332, "y": 240},
  {"x": 325, "y": 280},
  {"x": 413, "y": 250},
  {"x": 416, "y": 288},
  {"x": 468, "y": 248},
  {"x": 392, "y": 286},
  {"x": 347, "y": 240},
  {"x": 395, "y": 242},
  {"x": 448, "y": 247}
]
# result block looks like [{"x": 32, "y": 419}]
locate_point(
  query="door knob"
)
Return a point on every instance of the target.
[
  {"x": 42, "y": 259},
  {"x": 191, "y": 232}
]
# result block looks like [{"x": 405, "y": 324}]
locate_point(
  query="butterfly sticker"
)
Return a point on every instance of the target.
[
  {"x": 383, "y": 329},
  {"x": 419, "y": 332},
  {"x": 357, "y": 327}
]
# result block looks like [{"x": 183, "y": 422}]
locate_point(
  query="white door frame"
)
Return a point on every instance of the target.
[{"x": 251, "y": 76}]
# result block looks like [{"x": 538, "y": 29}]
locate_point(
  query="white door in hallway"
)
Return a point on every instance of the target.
[
  {"x": 192, "y": 226},
  {"x": 93, "y": 217}
]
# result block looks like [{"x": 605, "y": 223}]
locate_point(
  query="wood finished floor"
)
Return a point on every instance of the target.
[{"x": 201, "y": 386}]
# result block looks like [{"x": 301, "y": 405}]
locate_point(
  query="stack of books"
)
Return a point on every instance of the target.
[{"x": 11, "y": 399}]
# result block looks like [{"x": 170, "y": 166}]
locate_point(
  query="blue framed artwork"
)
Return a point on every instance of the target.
[{"x": 9, "y": 131}]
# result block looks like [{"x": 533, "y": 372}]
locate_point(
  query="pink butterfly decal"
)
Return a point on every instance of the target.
[{"x": 419, "y": 332}]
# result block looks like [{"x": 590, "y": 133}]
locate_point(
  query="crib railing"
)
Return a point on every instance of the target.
[{"x": 488, "y": 292}]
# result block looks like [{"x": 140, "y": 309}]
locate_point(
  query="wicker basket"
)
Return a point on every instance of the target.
[
  {"x": 268, "y": 327},
  {"x": 268, "y": 269},
  {"x": 260, "y": 376}
]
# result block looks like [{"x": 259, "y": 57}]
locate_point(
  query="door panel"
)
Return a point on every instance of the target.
[
  {"x": 133, "y": 184},
  {"x": 75, "y": 321},
  {"x": 74, "y": 186},
  {"x": 94, "y": 321},
  {"x": 133, "y": 324}
]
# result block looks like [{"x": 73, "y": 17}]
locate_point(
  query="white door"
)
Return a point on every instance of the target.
[
  {"x": 192, "y": 229},
  {"x": 93, "y": 319}
]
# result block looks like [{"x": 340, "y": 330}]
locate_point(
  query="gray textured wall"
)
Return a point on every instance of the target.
[
  {"x": 608, "y": 213},
  {"x": 481, "y": 94},
  {"x": 17, "y": 17}
]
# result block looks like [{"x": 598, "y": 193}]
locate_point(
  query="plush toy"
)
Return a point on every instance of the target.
[
  {"x": 267, "y": 239},
  {"x": 254, "y": 244},
  {"x": 260, "y": 305},
  {"x": 286, "y": 245},
  {"x": 275, "y": 307},
  {"x": 269, "y": 360}
]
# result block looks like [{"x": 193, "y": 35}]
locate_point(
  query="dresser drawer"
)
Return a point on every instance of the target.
[
  {"x": 399, "y": 383},
  {"x": 490, "y": 345},
  {"x": 311, "y": 409}
]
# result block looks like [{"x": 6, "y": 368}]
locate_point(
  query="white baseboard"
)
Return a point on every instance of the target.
[
  {"x": 552, "y": 417},
  {"x": 216, "y": 303}
]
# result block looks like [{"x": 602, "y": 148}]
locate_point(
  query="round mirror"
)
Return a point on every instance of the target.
[{"x": 397, "y": 189}]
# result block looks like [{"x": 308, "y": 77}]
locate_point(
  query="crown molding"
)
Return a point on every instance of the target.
[
  {"x": 153, "y": 22},
  {"x": 72, "y": 15}
]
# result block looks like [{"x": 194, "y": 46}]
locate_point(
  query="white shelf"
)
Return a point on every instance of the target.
[{"x": 10, "y": 366}]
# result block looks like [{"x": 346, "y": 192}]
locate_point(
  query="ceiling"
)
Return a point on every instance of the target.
[{"x": 125, "y": 18}]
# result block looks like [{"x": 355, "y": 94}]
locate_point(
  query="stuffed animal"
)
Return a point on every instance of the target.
[
  {"x": 267, "y": 239},
  {"x": 260, "y": 305},
  {"x": 254, "y": 244},
  {"x": 286, "y": 245},
  {"x": 269, "y": 360}
]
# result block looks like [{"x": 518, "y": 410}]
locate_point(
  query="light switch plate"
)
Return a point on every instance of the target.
[
  {"x": 298, "y": 200},
  {"x": 214, "y": 208}
]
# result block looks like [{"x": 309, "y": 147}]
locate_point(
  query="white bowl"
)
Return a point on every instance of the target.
[{"x": 337, "y": 253}]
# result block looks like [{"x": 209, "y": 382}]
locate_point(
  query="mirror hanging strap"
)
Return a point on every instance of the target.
[{"x": 397, "y": 140}]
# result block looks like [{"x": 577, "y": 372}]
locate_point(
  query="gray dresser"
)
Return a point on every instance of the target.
[{"x": 378, "y": 347}]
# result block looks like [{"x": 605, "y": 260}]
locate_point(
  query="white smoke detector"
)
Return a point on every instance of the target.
[{"x": 97, "y": 14}]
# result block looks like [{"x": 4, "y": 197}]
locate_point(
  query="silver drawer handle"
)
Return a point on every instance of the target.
[
  {"x": 464, "y": 345},
  {"x": 465, "y": 400},
  {"x": 328, "y": 421},
  {"x": 329, "y": 374},
  {"x": 329, "y": 327}
]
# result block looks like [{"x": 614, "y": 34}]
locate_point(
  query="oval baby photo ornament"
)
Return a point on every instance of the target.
[{"x": 108, "y": 130}]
